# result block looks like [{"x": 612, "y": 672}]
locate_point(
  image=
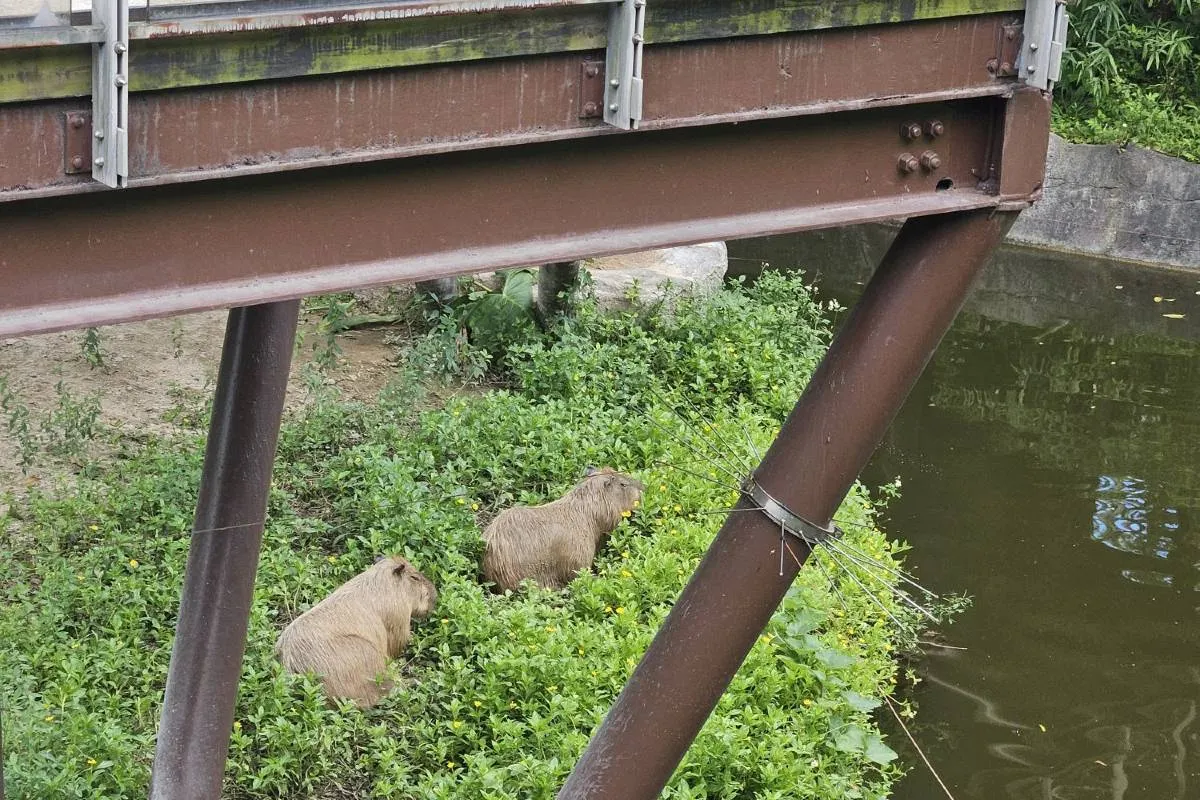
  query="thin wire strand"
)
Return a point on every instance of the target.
[
  {"x": 870, "y": 596},
  {"x": 690, "y": 445},
  {"x": 900, "y": 594},
  {"x": 732, "y": 451},
  {"x": 921, "y": 753},
  {"x": 712, "y": 448}
]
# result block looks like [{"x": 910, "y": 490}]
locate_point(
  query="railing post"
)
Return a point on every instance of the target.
[
  {"x": 835, "y": 427},
  {"x": 214, "y": 610}
]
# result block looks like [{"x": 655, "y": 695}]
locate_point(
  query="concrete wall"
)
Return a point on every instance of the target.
[{"x": 1125, "y": 203}]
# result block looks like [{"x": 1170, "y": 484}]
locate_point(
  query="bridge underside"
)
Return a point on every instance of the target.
[{"x": 266, "y": 190}]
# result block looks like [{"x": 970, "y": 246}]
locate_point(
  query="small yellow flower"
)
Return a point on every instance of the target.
[
  {"x": 630, "y": 661},
  {"x": 625, "y": 554},
  {"x": 478, "y": 704},
  {"x": 608, "y": 609},
  {"x": 332, "y": 559},
  {"x": 807, "y": 703},
  {"x": 474, "y": 506},
  {"x": 445, "y": 621},
  {"x": 91, "y": 762},
  {"x": 462, "y": 502},
  {"x": 678, "y": 508},
  {"x": 74, "y": 645},
  {"x": 451, "y": 764},
  {"x": 49, "y": 718},
  {"x": 594, "y": 673},
  {"x": 456, "y": 724},
  {"x": 551, "y": 629},
  {"x": 581, "y": 651},
  {"x": 133, "y": 562},
  {"x": 625, "y": 514},
  {"x": 637, "y": 503},
  {"x": 674, "y": 532},
  {"x": 552, "y": 689},
  {"x": 626, "y": 573},
  {"x": 93, "y": 528},
  {"x": 620, "y": 609},
  {"x": 512, "y": 705},
  {"x": 237, "y": 725}
]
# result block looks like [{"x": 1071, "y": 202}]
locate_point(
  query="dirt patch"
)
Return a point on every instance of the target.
[{"x": 147, "y": 369}]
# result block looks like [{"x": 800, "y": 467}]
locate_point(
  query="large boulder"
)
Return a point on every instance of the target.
[{"x": 695, "y": 270}]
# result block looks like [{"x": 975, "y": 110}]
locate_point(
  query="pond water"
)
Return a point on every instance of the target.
[{"x": 1050, "y": 462}]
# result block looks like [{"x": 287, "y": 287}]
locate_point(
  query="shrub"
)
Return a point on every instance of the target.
[{"x": 498, "y": 694}]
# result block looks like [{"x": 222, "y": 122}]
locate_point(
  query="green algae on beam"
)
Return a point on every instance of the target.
[
  {"x": 689, "y": 20},
  {"x": 185, "y": 61}
]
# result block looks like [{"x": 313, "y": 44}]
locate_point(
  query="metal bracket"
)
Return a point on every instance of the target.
[
  {"x": 1045, "y": 37},
  {"x": 110, "y": 93},
  {"x": 591, "y": 89},
  {"x": 808, "y": 532},
  {"x": 623, "y": 65}
]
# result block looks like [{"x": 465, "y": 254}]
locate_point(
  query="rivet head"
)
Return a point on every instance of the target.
[
  {"x": 907, "y": 163},
  {"x": 120, "y": 80},
  {"x": 590, "y": 109},
  {"x": 119, "y": 48},
  {"x": 1033, "y": 46},
  {"x": 77, "y": 162},
  {"x": 612, "y": 107},
  {"x": 615, "y": 82},
  {"x": 592, "y": 71},
  {"x": 930, "y": 160},
  {"x": 934, "y": 128},
  {"x": 76, "y": 122},
  {"x": 1031, "y": 69},
  {"x": 910, "y": 130},
  {"x": 99, "y": 161},
  {"x": 99, "y": 135}
]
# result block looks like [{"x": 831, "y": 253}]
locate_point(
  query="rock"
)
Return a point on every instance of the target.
[
  {"x": 1127, "y": 203},
  {"x": 695, "y": 270}
]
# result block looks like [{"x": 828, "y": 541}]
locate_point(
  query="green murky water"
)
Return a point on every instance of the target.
[{"x": 1050, "y": 460}]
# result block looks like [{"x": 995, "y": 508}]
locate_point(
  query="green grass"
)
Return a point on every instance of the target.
[{"x": 498, "y": 695}]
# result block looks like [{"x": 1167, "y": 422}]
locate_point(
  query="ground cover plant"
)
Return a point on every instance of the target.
[
  {"x": 498, "y": 694},
  {"x": 1131, "y": 73}
]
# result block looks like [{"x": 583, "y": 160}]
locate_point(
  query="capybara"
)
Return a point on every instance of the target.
[
  {"x": 349, "y": 637},
  {"x": 551, "y": 543}
]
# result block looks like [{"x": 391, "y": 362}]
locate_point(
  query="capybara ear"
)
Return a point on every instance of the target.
[
  {"x": 400, "y": 569},
  {"x": 590, "y": 471}
]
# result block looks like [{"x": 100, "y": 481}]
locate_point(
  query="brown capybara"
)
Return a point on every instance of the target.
[
  {"x": 551, "y": 543},
  {"x": 348, "y": 638}
]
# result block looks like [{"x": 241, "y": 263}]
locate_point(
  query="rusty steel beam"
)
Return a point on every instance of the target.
[
  {"x": 838, "y": 422},
  {"x": 210, "y": 638},
  {"x": 70, "y": 262},
  {"x": 250, "y": 128}
]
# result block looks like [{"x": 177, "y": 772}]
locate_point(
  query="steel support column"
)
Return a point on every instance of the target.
[
  {"x": 206, "y": 663},
  {"x": 837, "y": 424}
]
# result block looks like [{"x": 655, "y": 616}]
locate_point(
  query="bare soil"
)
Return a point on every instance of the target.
[{"x": 148, "y": 367}]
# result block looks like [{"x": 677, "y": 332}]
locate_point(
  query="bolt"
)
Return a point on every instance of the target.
[
  {"x": 1031, "y": 69},
  {"x": 592, "y": 71},
  {"x": 76, "y": 122},
  {"x": 119, "y": 48},
  {"x": 930, "y": 160},
  {"x": 910, "y": 130},
  {"x": 1005, "y": 68},
  {"x": 993, "y": 65},
  {"x": 77, "y": 162},
  {"x": 99, "y": 161},
  {"x": 1033, "y": 46},
  {"x": 934, "y": 128},
  {"x": 1010, "y": 35},
  {"x": 590, "y": 109},
  {"x": 99, "y": 135},
  {"x": 120, "y": 80},
  {"x": 613, "y": 107},
  {"x": 907, "y": 163}
]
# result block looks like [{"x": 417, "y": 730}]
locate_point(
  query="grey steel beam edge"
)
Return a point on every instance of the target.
[
  {"x": 214, "y": 611},
  {"x": 838, "y": 422}
]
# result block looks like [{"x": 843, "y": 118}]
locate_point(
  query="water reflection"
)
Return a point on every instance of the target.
[{"x": 1050, "y": 469}]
